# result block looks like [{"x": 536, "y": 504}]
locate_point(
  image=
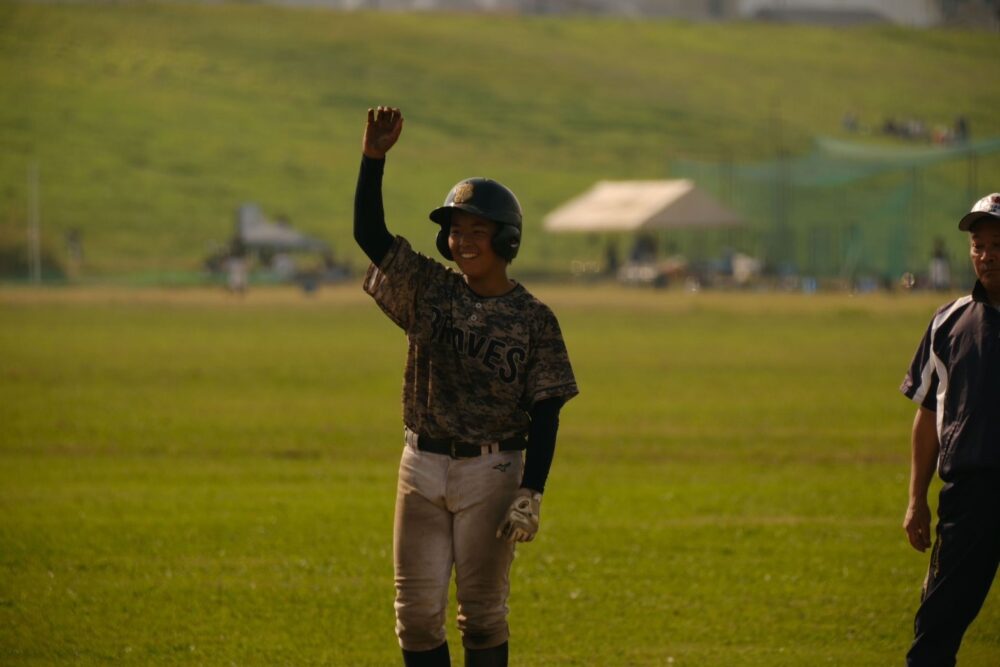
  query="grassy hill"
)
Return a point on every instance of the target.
[{"x": 151, "y": 123}]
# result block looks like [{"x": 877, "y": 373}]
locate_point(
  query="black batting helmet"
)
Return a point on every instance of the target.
[{"x": 490, "y": 200}]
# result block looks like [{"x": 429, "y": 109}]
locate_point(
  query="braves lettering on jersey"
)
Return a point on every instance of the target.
[{"x": 475, "y": 365}]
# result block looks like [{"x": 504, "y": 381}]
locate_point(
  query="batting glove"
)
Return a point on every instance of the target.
[{"x": 521, "y": 521}]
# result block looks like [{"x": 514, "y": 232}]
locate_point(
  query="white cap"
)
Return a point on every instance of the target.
[{"x": 987, "y": 207}]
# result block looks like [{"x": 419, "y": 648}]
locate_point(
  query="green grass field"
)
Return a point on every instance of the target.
[
  {"x": 189, "y": 478},
  {"x": 151, "y": 122}
]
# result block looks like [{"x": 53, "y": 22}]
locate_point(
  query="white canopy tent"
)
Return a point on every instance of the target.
[
  {"x": 255, "y": 232},
  {"x": 627, "y": 206}
]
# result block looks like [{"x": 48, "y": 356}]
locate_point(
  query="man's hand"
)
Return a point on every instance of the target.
[
  {"x": 917, "y": 525},
  {"x": 521, "y": 521},
  {"x": 381, "y": 131}
]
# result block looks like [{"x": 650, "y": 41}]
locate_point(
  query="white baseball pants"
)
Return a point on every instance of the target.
[{"x": 447, "y": 513}]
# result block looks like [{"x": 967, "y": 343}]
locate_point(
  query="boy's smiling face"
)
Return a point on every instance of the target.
[{"x": 470, "y": 240}]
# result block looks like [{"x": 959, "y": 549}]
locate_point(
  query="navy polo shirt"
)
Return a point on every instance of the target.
[{"x": 956, "y": 374}]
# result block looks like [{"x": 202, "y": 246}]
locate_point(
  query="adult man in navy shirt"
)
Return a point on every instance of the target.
[{"x": 955, "y": 380}]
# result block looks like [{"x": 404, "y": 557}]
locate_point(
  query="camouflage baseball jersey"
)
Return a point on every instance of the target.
[{"x": 476, "y": 365}]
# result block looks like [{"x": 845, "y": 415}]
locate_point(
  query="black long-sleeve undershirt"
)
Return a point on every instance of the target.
[
  {"x": 373, "y": 236},
  {"x": 369, "y": 215},
  {"x": 541, "y": 443}
]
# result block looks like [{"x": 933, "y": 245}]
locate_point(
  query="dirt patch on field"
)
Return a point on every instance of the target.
[
  {"x": 614, "y": 297},
  {"x": 560, "y": 296},
  {"x": 206, "y": 296}
]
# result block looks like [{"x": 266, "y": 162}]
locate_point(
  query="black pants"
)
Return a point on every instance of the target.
[{"x": 963, "y": 563}]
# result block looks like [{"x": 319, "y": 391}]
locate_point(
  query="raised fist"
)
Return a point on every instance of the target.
[{"x": 381, "y": 131}]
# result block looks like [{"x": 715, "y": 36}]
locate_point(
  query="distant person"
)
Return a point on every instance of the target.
[
  {"x": 329, "y": 263},
  {"x": 74, "y": 245},
  {"x": 916, "y": 129},
  {"x": 644, "y": 249},
  {"x": 890, "y": 126},
  {"x": 611, "y": 258},
  {"x": 961, "y": 129},
  {"x": 237, "y": 276},
  {"x": 940, "y": 267},
  {"x": 487, "y": 373},
  {"x": 283, "y": 266},
  {"x": 955, "y": 381}
]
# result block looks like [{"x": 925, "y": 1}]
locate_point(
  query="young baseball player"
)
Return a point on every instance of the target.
[
  {"x": 486, "y": 375},
  {"x": 955, "y": 381}
]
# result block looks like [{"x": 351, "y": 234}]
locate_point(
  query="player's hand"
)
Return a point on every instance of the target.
[
  {"x": 520, "y": 523},
  {"x": 917, "y": 525},
  {"x": 381, "y": 131}
]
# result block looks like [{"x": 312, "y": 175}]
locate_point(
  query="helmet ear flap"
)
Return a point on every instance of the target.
[
  {"x": 442, "y": 242},
  {"x": 506, "y": 242}
]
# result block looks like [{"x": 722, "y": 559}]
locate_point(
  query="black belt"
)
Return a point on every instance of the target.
[{"x": 465, "y": 450}]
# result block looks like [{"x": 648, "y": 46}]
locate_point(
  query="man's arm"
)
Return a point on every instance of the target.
[
  {"x": 382, "y": 129},
  {"x": 923, "y": 463}
]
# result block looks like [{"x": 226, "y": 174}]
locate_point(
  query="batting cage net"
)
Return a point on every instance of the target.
[{"x": 847, "y": 211}]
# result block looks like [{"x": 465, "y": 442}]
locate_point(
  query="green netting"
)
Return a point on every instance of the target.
[{"x": 847, "y": 209}]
